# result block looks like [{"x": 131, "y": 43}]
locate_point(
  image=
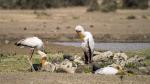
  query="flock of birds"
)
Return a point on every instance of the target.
[{"x": 34, "y": 43}]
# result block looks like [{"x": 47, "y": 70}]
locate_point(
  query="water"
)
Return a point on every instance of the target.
[{"x": 111, "y": 46}]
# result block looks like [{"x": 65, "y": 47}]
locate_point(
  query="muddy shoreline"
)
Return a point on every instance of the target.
[{"x": 107, "y": 38}]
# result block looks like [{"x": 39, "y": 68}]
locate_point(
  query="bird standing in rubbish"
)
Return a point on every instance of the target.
[
  {"x": 87, "y": 43},
  {"x": 33, "y": 43}
]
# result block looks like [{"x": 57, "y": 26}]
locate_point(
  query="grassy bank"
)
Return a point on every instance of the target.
[
  {"x": 19, "y": 63},
  {"x": 142, "y": 53}
]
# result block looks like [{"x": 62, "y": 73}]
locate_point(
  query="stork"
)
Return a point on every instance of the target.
[
  {"x": 87, "y": 43},
  {"x": 110, "y": 70},
  {"x": 33, "y": 43}
]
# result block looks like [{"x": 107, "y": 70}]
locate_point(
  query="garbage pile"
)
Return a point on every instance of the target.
[{"x": 106, "y": 62}]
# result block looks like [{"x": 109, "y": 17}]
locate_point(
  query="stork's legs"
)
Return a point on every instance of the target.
[
  {"x": 30, "y": 59},
  {"x": 32, "y": 51},
  {"x": 88, "y": 57},
  {"x": 30, "y": 62}
]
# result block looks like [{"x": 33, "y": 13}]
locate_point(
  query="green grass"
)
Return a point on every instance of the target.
[
  {"x": 14, "y": 63},
  {"x": 143, "y": 53},
  {"x": 10, "y": 63},
  {"x": 75, "y": 17},
  {"x": 19, "y": 63}
]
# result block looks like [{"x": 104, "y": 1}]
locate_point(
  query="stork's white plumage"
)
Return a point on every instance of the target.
[
  {"x": 110, "y": 70},
  {"x": 87, "y": 43},
  {"x": 107, "y": 71},
  {"x": 33, "y": 43}
]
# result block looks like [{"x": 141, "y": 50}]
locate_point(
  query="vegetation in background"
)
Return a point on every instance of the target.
[
  {"x": 40, "y": 4},
  {"x": 112, "y": 5},
  {"x": 142, "y": 4},
  {"x": 104, "y": 6},
  {"x": 93, "y": 6},
  {"x": 108, "y": 5}
]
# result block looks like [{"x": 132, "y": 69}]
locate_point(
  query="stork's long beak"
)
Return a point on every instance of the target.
[{"x": 43, "y": 57}]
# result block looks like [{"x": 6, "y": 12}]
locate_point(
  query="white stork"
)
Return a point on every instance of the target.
[
  {"x": 110, "y": 70},
  {"x": 33, "y": 43},
  {"x": 87, "y": 43},
  {"x": 107, "y": 71}
]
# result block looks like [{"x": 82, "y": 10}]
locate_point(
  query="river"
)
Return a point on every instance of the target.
[{"x": 111, "y": 46}]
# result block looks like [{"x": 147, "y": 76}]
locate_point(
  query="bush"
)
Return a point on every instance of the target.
[
  {"x": 142, "y": 4},
  {"x": 108, "y": 5},
  {"x": 131, "y": 17},
  {"x": 93, "y": 6},
  {"x": 40, "y": 4}
]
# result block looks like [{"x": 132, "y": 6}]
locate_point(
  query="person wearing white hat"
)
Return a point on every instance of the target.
[{"x": 87, "y": 43}]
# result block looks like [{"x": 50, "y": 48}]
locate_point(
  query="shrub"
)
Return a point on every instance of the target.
[
  {"x": 131, "y": 17},
  {"x": 40, "y": 4},
  {"x": 93, "y": 6},
  {"x": 108, "y": 5},
  {"x": 143, "y": 4}
]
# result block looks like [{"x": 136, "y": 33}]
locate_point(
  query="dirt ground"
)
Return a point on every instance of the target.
[
  {"x": 59, "y": 24},
  {"x": 62, "y": 78}
]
